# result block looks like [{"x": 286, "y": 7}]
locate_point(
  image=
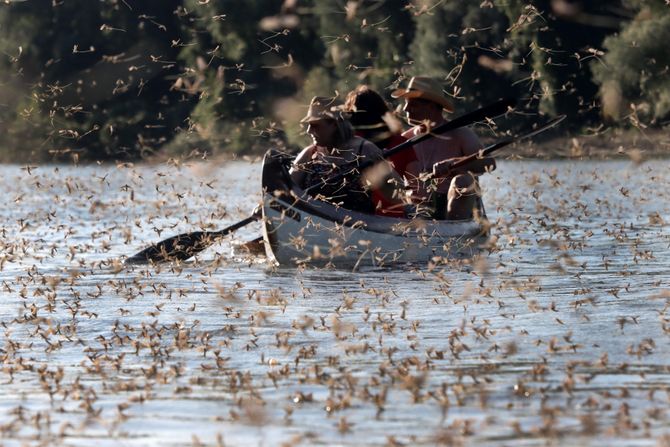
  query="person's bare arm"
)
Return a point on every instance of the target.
[{"x": 469, "y": 144}]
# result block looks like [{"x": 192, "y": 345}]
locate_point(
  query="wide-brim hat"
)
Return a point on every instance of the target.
[
  {"x": 323, "y": 107},
  {"x": 424, "y": 87}
]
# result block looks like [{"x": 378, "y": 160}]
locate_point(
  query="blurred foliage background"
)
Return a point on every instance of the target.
[{"x": 134, "y": 79}]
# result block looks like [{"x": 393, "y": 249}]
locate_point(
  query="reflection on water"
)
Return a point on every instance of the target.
[{"x": 558, "y": 332}]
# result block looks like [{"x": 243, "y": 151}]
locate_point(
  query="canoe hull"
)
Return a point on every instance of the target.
[{"x": 299, "y": 230}]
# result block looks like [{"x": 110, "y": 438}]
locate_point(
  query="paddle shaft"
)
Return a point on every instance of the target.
[
  {"x": 226, "y": 231},
  {"x": 499, "y": 145},
  {"x": 487, "y": 112}
]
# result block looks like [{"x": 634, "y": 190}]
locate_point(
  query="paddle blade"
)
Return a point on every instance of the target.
[
  {"x": 175, "y": 248},
  {"x": 183, "y": 246}
]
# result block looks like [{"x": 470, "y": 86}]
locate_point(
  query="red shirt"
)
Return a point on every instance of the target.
[
  {"x": 402, "y": 158},
  {"x": 400, "y": 162}
]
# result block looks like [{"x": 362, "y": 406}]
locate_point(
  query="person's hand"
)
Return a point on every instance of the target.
[
  {"x": 443, "y": 168},
  {"x": 410, "y": 210},
  {"x": 416, "y": 210}
]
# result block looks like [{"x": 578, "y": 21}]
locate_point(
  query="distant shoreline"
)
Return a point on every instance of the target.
[{"x": 614, "y": 144}]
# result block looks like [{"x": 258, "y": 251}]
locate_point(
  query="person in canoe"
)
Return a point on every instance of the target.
[
  {"x": 328, "y": 169},
  {"x": 451, "y": 193},
  {"x": 372, "y": 119}
]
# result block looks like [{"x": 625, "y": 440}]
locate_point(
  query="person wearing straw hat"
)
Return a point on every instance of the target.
[
  {"x": 329, "y": 167},
  {"x": 451, "y": 193}
]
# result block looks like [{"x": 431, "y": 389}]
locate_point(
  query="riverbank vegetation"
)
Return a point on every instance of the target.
[{"x": 129, "y": 80}]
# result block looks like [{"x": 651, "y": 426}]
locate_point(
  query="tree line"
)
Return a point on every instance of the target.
[{"x": 130, "y": 79}]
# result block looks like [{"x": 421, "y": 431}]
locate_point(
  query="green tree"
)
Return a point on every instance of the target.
[
  {"x": 365, "y": 41},
  {"x": 464, "y": 45},
  {"x": 124, "y": 79},
  {"x": 634, "y": 74},
  {"x": 237, "y": 65},
  {"x": 552, "y": 43},
  {"x": 90, "y": 78}
]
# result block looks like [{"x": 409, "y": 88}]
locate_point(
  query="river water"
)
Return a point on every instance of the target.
[{"x": 557, "y": 334}]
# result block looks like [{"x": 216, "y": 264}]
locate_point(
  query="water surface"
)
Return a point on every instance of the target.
[{"x": 558, "y": 333}]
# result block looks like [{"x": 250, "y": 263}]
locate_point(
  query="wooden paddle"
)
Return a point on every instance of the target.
[
  {"x": 442, "y": 168},
  {"x": 487, "y": 112},
  {"x": 483, "y": 114},
  {"x": 183, "y": 246}
]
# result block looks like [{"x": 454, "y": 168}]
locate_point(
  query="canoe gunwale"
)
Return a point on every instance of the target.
[{"x": 281, "y": 189}]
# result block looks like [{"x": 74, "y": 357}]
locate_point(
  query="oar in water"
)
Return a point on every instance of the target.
[{"x": 183, "y": 246}]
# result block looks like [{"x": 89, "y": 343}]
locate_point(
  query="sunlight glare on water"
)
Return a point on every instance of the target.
[{"x": 559, "y": 331}]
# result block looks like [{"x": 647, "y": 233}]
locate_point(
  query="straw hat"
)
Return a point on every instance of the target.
[
  {"x": 424, "y": 87},
  {"x": 323, "y": 107}
]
